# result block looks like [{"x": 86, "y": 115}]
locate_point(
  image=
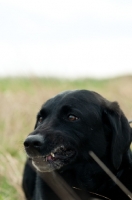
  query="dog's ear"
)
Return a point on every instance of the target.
[{"x": 120, "y": 129}]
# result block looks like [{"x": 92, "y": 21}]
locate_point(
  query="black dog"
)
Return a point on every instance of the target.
[{"x": 69, "y": 126}]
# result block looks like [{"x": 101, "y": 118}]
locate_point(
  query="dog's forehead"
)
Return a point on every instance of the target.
[
  {"x": 80, "y": 95},
  {"x": 76, "y": 97}
]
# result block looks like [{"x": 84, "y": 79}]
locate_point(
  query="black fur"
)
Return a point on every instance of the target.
[{"x": 70, "y": 125}]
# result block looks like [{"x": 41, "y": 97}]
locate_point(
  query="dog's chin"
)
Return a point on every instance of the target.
[
  {"x": 55, "y": 160},
  {"x": 47, "y": 166}
]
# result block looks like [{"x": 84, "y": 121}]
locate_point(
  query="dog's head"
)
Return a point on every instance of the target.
[{"x": 73, "y": 123}]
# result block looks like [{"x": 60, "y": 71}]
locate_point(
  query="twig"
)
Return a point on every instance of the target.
[{"x": 111, "y": 175}]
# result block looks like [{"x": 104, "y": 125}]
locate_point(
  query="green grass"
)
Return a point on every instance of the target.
[
  {"x": 20, "y": 99},
  {"x": 7, "y": 191},
  {"x": 17, "y": 84}
]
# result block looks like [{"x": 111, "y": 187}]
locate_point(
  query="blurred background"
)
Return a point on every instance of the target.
[{"x": 50, "y": 46}]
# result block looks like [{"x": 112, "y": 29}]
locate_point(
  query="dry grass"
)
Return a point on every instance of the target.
[{"x": 20, "y": 100}]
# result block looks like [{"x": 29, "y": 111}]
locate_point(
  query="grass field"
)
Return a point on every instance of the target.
[{"x": 20, "y": 99}]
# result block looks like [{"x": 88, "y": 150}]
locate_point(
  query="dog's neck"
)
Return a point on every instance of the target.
[{"x": 101, "y": 185}]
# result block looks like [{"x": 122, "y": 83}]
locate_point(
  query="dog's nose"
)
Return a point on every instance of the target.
[{"x": 34, "y": 141}]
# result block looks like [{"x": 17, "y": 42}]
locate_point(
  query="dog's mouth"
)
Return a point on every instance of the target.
[{"x": 56, "y": 159}]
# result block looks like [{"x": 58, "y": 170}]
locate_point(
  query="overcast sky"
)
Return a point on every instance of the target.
[{"x": 86, "y": 38}]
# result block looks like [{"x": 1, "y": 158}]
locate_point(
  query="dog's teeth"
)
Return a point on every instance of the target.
[{"x": 52, "y": 154}]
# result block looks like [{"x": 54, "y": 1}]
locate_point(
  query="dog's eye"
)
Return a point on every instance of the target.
[
  {"x": 40, "y": 119},
  {"x": 72, "y": 118}
]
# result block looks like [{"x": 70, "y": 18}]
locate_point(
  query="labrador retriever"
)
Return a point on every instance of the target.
[{"x": 68, "y": 127}]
